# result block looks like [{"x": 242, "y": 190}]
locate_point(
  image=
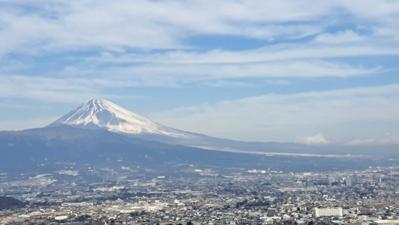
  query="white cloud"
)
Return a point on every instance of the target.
[
  {"x": 280, "y": 69},
  {"x": 284, "y": 60},
  {"x": 317, "y": 139},
  {"x": 50, "y": 25},
  {"x": 61, "y": 89},
  {"x": 50, "y": 89},
  {"x": 29, "y": 27},
  {"x": 347, "y": 36},
  {"x": 342, "y": 115},
  {"x": 275, "y": 53},
  {"x": 388, "y": 139},
  {"x": 164, "y": 69}
]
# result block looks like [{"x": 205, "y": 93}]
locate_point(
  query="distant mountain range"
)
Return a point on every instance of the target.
[{"x": 101, "y": 132}]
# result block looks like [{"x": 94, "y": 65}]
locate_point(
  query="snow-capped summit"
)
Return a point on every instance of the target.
[{"x": 103, "y": 114}]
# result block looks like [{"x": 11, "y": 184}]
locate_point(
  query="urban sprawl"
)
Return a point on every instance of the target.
[{"x": 132, "y": 195}]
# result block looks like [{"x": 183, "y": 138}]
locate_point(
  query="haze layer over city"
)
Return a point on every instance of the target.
[{"x": 199, "y": 112}]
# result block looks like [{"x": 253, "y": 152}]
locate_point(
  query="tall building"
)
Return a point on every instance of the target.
[{"x": 348, "y": 181}]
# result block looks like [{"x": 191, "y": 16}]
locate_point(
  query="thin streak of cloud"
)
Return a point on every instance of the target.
[{"x": 61, "y": 25}]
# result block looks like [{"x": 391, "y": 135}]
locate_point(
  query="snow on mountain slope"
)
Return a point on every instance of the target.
[{"x": 103, "y": 114}]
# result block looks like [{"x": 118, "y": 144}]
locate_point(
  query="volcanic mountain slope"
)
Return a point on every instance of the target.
[
  {"x": 100, "y": 132},
  {"x": 45, "y": 149},
  {"x": 103, "y": 114}
]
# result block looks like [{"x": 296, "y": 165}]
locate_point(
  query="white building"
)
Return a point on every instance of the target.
[
  {"x": 387, "y": 222},
  {"x": 328, "y": 212},
  {"x": 348, "y": 181}
]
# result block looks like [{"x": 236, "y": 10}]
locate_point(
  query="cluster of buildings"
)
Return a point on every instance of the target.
[{"x": 202, "y": 196}]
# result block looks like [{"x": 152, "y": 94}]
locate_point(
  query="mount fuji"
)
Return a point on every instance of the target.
[
  {"x": 103, "y": 114},
  {"x": 100, "y": 132}
]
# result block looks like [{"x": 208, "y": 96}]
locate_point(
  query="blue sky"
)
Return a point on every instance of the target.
[{"x": 302, "y": 71}]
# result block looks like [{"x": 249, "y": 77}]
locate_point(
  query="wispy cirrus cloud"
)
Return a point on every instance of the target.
[
  {"x": 95, "y": 82},
  {"x": 157, "y": 33},
  {"x": 143, "y": 24},
  {"x": 60, "y": 89},
  {"x": 48, "y": 89}
]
